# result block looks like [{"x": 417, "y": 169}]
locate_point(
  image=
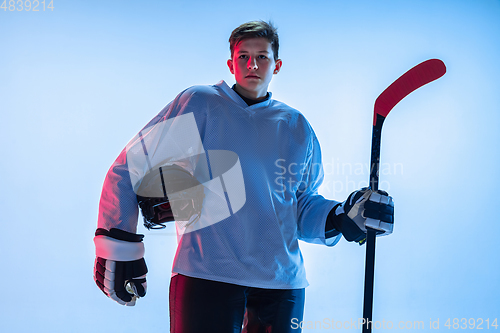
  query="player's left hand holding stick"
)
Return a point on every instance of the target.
[{"x": 363, "y": 208}]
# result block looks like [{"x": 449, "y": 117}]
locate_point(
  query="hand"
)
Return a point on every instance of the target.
[
  {"x": 364, "y": 209},
  {"x": 120, "y": 269}
]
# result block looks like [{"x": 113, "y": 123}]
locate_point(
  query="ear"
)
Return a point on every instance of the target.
[
  {"x": 230, "y": 65},
  {"x": 277, "y": 66}
]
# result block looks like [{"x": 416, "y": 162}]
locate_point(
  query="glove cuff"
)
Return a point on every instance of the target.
[
  {"x": 108, "y": 247},
  {"x": 120, "y": 234},
  {"x": 339, "y": 220},
  {"x": 334, "y": 218}
]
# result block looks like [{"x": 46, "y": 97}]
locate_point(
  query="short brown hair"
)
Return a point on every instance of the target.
[{"x": 255, "y": 29}]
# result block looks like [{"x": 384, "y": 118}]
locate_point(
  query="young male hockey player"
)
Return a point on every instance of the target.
[{"x": 238, "y": 261}]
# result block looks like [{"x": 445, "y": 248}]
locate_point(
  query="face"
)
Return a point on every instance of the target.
[{"x": 253, "y": 67}]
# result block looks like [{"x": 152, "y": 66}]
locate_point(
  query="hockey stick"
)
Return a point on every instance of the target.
[{"x": 413, "y": 79}]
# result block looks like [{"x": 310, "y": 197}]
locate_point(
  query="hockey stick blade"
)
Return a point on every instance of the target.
[{"x": 413, "y": 79}]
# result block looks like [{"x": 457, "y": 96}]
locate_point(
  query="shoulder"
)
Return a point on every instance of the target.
[
  {"x": 197, "y": 91},
  {"x": 297, "y": 126},
  {"x": 292, "y": 116}
]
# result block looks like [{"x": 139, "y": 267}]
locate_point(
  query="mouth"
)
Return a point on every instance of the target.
[{"x": 252, "y": 76}]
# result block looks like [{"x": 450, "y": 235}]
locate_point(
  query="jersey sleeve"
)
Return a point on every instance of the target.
[
  {"x": 118, "y": 207},
  {"x": 118, "y": 204},
  {"x": 313, "y": 208}
]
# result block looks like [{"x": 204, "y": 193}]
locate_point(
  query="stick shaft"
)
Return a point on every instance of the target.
[
  {"x": 375, "y": 153},
  {"x": 371, "y": 234},
  {"x": 369, "y": 280}
]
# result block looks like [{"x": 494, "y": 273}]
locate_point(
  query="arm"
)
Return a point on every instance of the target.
[
  {"x": 312, "y": 207},
  {"x": 118, "y": 204},
  {"x": 119, "y": 268},
  {"x": 119, "y": 250}
]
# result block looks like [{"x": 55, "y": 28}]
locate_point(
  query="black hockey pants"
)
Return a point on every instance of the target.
[{"x": 204, "y": 306}]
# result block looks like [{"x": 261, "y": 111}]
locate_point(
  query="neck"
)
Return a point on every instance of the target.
[{"x": 257, "y": 95}]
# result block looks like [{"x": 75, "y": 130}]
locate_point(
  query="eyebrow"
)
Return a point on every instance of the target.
[{"x": 243, "y": 51}]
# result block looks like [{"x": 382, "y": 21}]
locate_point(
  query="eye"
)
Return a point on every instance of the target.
[
  {"x": 262, "y": 56},
  {"x": 242, "y": 56}
]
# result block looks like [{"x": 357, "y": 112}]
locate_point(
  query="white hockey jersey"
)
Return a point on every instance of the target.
[{"x": 258, "y": 203}]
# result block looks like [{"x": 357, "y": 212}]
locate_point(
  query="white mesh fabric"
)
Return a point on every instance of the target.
[{"x": 255, "y": 239}]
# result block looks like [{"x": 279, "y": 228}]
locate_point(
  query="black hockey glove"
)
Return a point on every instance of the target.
[
  {"x": 120, "y": 269},
  {"x": 362, "y": 209}
]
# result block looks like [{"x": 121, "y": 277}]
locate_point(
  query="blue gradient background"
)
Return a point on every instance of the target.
[{"x": 78, "y": 82}]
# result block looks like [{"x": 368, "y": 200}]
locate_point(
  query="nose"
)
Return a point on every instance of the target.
[{"x": 252, "y": 63}]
